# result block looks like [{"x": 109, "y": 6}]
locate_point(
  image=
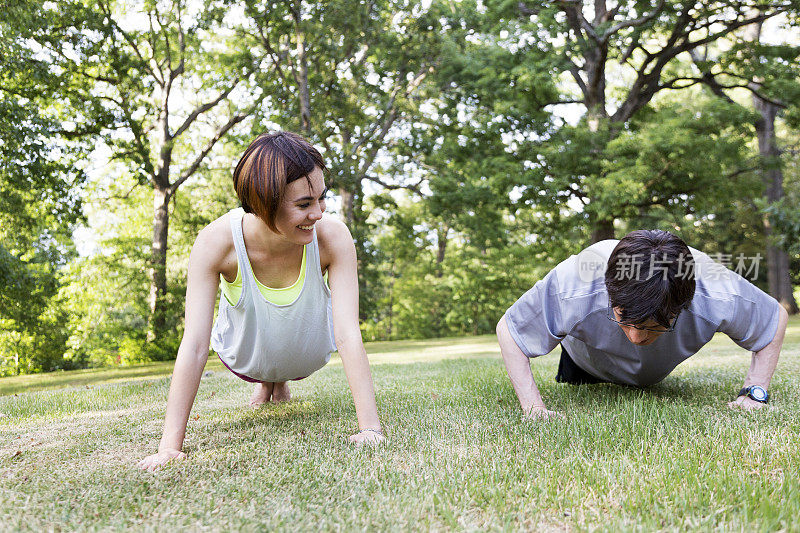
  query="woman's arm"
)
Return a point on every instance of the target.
[
  {"x": 201, "y": 294},
  {"x": 343, "y": 281}
]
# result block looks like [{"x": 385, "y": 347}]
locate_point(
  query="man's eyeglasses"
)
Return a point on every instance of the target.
[{"x": 610, "y": 315}]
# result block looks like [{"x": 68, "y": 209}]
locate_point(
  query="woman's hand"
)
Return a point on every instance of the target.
[
  {"x": 367, "y": 436},
  {"x": 540, "y": 412},
  {"x": 157, "y": 460}
]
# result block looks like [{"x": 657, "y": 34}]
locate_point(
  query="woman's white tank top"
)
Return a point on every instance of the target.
[{"x": 270, "y": 342}]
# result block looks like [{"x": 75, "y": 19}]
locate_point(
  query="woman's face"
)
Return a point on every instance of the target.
[{"x": 302, "y": 207}]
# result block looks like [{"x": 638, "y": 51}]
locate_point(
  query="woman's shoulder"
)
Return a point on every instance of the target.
[
  {"x": 335, "y": 242},
  {"x": 215, "y": 241},
  {"x": 217, "y": 231},
  {"x": 332, "y": 232}
]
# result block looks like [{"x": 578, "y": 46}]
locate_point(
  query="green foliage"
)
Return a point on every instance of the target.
[
  {"x": 106, "y": 292},
  {"x": 786, "y": 220},
  {"x": 679, "y": 159},
  {"x": 463, "y": 174},
  {"x": 40, "y": 182},
  {"x": 784, "y": 215},
  {"x": 32, "y": 324},
  {"x": 442, "y": 279}
]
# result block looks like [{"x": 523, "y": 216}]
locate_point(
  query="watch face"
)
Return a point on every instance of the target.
[{"x": 758, "y": 393}]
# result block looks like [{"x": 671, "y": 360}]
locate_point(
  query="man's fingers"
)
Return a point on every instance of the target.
[{"x": 746, "y": 403}]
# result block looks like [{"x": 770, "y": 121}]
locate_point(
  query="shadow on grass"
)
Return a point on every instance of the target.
[
  {"x": 698, "y": 387},
  {"x": 696, "y": 390},
  {"x": 271, "y": 416}
]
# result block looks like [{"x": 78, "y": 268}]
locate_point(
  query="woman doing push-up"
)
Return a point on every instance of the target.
[{"x": 278, "y": 319}]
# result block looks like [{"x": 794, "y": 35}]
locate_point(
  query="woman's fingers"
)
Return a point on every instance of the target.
[
  {"x": 367, "y": 437},
  {"x": 157, "y": 460}
]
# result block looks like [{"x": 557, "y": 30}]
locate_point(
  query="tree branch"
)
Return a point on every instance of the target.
[
  {"x": 206, "y": 149},
  {"x": 151, "y": 40},
  {"x": 647, "y": 82},
  {"x": 123, "y": 196},
  {"x": 390, "y": 115},
  {"x": 139, "y": 138},
  {"x": 174, "y": 73},
  {"x": 635, "y": 22},
  {"x": 710, "y": 80},
  {"x": 670, "y": 84},
  {"x": 572, "y": 9},
  {"x": 576, "y": 74},
  {"x": 276, "y": 58},
  {"x": 107, "y": 12},
  {"x": 199, "y": 110},
  {"x": 562, "y": 102},
  {"x": 391, "y": 186}
]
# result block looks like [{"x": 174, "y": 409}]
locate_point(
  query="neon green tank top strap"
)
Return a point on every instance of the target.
[{"x": 282, "y": 296}]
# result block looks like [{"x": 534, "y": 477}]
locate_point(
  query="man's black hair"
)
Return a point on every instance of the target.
[{"x": 650, "y": 276}]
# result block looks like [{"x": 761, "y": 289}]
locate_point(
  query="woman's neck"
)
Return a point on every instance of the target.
[{"x": 257, "y": 233}]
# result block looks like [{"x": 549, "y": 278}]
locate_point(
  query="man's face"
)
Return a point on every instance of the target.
[{"x": 637, "y": 335}]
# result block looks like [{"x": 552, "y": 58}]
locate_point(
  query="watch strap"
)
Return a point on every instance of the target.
[{"x": 746, "y": 391}]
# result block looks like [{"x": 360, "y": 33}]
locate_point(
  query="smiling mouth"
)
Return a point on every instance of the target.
[{"x": 306, "y": 228}]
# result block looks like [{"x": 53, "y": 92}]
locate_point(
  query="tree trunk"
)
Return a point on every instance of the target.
[
  {"x": 347, "y": 207},
  {"x": 390, "y": 307},
  {"x": 778, "y": 279},
  {"x": 352, "y": 212},
  {"x": 603, "y": 230},
  {"x": 302, "y": 64},
  {"x": 158, "y": 262},
  {"x": 441, "y": 242},
  {"x": 593, "y": 88},
  {"x": 442, "y": 246}
]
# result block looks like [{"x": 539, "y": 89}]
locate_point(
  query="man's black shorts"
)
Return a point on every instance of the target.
[{"x": 569, "y": 372}]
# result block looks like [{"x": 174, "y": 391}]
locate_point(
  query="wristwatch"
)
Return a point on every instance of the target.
[{"x": 755, "y": 392}]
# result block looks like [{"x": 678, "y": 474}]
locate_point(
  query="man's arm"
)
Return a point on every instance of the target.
[
  {"x": 519, "y": 371},
  {"x": 763, "y": 363}
]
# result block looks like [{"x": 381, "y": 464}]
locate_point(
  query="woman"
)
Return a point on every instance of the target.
[{"x": 274, "y": 325}]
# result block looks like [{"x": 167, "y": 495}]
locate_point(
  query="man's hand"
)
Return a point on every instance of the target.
[
  {"x": 156, "y": 461},
  {"x": 745, "y": 403},
  {"x": 540, "y": 412},
  {"x": 367, "y": 437}
]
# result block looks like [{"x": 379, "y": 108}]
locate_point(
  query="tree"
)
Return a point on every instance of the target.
[
  {"x": 157, "y": 81},
  {"x": 352, "y": 77},
  {"x": 640, "y": 43},
  {"x": 769, "y": 73},
  {"x": 39, "y": 194},
  {"x": 780, "y": 284}
]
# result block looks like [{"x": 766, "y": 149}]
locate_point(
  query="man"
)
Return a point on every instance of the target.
[{"x": 630, "y": 311}]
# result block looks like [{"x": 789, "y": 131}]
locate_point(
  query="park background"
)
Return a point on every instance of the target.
[{"x": 472, "y": 146}]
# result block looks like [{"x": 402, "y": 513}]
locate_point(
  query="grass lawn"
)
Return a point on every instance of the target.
[{"x": 459, "y": 455}]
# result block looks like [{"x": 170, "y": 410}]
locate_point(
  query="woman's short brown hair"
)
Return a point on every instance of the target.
[{"x": 272, "y": 161}]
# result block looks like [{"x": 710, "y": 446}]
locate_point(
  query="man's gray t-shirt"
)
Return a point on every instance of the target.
[{"x": 570, "y": 306}]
